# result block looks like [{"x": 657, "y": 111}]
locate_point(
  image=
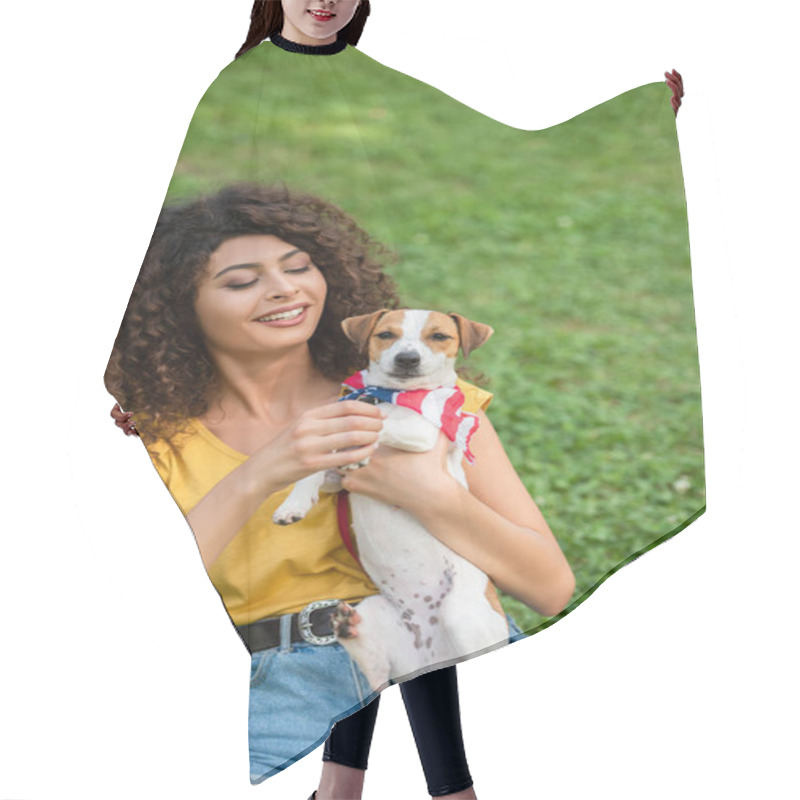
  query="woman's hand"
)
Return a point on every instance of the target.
[
  {"x": 124, "y": 420},
  {"x": 400, "y": 478},
  {"x": 326, "y": 437},
  {"x": 495, "y": 523},
  {"x": 303, "y": 448},
  {"x": 675, "y": 82}
]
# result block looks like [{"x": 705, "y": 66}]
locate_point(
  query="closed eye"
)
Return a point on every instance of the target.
[
  {"x": 385, "y": 335},
  {"x": 248, "y": 284},
  {"x": 236, "y": 286},
  {"x": 440, "y": 337}
]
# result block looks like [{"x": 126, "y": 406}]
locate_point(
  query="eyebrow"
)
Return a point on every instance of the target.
[{"x": 284, "y": 257}]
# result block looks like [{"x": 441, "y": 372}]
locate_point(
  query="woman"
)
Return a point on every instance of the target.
[{"x": 232, "y": 356}]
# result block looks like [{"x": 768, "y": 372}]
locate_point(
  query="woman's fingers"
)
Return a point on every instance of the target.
[
  {"x": 347, "y": 440},
  {"x": 403, "y": 479},
  {"x": 346, "y": 420},
  {"x": 343, "y": 458},
  {"x": 675, "y": 83},
  {"x": 124, "y": 420},
  {"x": 674, "y": 76},
  {"x": 333, "y": 427},
  {"x": 332, "y": 436},
  {"x": 345, "y": 408},
  {"x": 314, "y": 452}
]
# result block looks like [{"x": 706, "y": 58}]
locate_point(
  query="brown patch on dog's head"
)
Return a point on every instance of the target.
[
  {"x": 441, "y": 334},
  {"x": 374, "y": 333},
  {"x": 359, "y": 329},
  {"x": 386, "y": 332},
  {"x": 472, "y": 334}
]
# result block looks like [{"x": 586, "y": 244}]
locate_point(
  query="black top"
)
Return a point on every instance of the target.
[{"x": 308, "y": 49}]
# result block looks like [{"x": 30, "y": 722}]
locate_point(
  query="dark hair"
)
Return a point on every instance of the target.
[
  {"x": 266, "y": 19},
  {"x": 160, "y": 368}
]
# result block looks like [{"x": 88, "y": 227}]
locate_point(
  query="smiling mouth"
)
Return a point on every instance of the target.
[
  {"x": 283, "y": 315},
  {"x": 322, "y": 16}
]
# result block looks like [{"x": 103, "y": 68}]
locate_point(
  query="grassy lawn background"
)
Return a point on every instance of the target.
[{"x": 571, "y": 242}]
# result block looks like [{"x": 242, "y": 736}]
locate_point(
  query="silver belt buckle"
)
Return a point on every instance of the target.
[{"x": 304, "y": 623}]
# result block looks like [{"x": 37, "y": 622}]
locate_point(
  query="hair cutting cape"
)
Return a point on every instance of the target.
[{"x": 571, "y": 242}]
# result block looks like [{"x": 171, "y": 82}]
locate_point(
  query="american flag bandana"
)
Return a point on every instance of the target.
[{"x": 440, "y": 406}]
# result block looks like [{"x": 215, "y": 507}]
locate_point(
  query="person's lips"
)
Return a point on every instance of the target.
[
  {"x": 282, "y": 318},
  {"x": 321, "y": 16}
]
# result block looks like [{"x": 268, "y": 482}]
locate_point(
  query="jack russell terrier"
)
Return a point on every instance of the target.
[{"x": 434, "y": 608}]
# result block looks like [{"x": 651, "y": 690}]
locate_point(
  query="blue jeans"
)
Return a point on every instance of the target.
[{"x": 297, "y": 692}]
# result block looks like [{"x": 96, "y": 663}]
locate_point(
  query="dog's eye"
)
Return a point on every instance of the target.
[
  {"x": 440, "y": 337},
  {"x": 385, "y": 335}
]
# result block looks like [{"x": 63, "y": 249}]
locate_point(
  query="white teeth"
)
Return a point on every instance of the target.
[{"x": 283, "y": 315}]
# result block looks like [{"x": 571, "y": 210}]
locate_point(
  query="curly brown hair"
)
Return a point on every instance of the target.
[{"x": 160, "y": 368}]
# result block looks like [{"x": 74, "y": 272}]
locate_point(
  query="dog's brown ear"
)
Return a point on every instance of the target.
[
  {"x": 359, "y": 329},
  {"x": 471, "y": 334}
]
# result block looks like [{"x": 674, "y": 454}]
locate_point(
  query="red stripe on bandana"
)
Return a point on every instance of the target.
[
  {"x": 355, "y": 381},
  {"x": 411, "y": 399},
  {"x": 451, "y": 418}
]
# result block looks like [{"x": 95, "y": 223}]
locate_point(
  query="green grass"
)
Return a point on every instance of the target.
[{"x": 570, "y": 242}]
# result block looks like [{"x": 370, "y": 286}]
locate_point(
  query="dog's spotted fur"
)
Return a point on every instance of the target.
[{"x": 435, "y": 607}]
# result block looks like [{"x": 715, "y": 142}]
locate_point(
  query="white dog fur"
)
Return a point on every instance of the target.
[{"x": 433, "y": 608}]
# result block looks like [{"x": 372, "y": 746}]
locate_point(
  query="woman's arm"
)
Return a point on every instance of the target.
[
  {"x": 303, "y": 448},
  {"x": 496, "y": 524},
  {"x": 224, "y": 511}
]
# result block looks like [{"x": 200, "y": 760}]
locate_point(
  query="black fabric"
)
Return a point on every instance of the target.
[
  {"x": 309, "y": 49},
  {"x": 351, "y": 738},
  {"x": 432, "y": 706}
]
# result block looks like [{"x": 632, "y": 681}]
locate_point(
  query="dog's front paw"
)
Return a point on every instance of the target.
[
  {"x": 288, "y": 513},
  {"x": 355, "y": 465},
  {"x": 345, "y": 620},
  {"x": 300, "y": 500}
]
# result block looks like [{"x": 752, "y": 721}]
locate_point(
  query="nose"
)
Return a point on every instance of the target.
[
  {"x": 281, "y": 285},
  {"x": 408, "y": 360}
]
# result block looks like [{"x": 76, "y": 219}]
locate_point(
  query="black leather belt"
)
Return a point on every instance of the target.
[{"x": 313, "y": 625}]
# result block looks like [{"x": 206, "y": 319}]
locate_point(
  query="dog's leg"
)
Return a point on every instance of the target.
[
  {"x": 471, "y": 624},
  {"x": 300, "y": 500},
  {"x": 378, "y": 640},
  {"x": 405, "y": 429}
]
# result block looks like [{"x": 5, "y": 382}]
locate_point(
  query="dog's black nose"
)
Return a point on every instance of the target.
[{"x": 407, "y": 360}]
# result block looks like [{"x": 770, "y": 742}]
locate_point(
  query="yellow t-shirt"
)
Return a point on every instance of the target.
[{"x": 267, "y": 569}]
